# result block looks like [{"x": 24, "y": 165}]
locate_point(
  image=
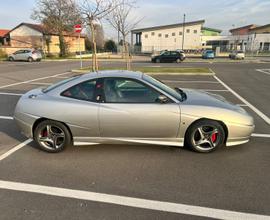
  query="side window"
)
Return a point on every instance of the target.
[
  {"x": 82, "y": 91},
  {"x": 167, "y": 53},
  {"x": 121, "y": 90}
]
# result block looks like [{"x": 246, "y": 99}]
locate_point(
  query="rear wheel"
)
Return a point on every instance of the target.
[
  {"x": 52, "y": 136},
  {"x": 157, "y": 60},
  {"x": 178, "y": 60},
  {"x": 205, "y": 136},
  {"x": 30, "y": 59}
]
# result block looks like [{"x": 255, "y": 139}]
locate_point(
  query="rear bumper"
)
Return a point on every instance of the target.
[{"x": 25, "y": 128}]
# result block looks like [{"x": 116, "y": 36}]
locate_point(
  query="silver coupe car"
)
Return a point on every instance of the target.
[{"x": 129, "y": 107}]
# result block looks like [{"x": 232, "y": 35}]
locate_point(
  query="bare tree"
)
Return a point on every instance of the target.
[
  {"x": 57, "y": 17},
  {"x": 123, "y": 22},
  {"x": 93, "y": 11}
]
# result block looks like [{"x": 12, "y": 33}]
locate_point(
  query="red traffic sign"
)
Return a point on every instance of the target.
[{"x": 78, "y": 28}]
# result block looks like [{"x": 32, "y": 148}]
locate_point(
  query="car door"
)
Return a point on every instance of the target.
[
  {"x": 165, "y": 57},
  {"x": 130, "y": 110},
  {"x": 18, "y": 55}
]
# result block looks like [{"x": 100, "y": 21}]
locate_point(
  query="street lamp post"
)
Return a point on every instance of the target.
[{"x": 183, "y": 36}]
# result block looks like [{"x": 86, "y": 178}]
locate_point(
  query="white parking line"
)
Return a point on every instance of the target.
[
  {"x": 6, "y": 117},
  {"x": 131, "y": 201},
  {"x": 242, "y": 105},
  {"x": 33, "y": 80},
  {"x": 188, "y": 81},
  {"x": 266, "y": 71},
  {"x": 261, "y": 135},
  {"x": 12, "y": 94},
  {"x": 215, "y": 90},
  {"x": 14, "y": 149},
  {"x": 40, "y": 83},
  {"x": 257, "y": 111}
]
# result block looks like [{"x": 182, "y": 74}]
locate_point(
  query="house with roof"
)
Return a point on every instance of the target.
[
  {"x": 3, "y": 33},
  {"x": 27, "y": 35}
]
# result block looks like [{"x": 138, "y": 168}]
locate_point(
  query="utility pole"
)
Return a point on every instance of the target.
[{"x": 183, "y": 36}]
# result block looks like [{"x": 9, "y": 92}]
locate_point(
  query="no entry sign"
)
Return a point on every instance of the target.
[{"x": 78, "y": 28}]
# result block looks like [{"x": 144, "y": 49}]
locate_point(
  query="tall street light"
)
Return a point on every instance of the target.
[{"x": 184, "y": 21}]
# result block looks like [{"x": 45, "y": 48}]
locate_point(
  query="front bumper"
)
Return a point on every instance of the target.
[{"x": 238, "y": 134}]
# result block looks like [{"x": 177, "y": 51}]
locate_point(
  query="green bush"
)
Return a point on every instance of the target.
[{"x": 2, "y": 54}]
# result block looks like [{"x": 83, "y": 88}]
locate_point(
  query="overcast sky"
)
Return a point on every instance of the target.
[{"x": 221, "y": 14}]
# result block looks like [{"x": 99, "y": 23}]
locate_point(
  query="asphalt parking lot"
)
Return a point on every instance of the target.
[{"x": 137, "y": 182}]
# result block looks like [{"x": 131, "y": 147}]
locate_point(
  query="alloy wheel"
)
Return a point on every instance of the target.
[
  {"x": 206, "y": 138},
  {"x": 51, "y": 137}
]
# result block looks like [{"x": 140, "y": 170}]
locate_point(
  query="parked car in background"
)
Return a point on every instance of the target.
[
  {"x": 29, "y": 55},
  {"x": 167, "y": 57},
  {"x": 208, "y": 54},
  {"x": 237, "y": 55}
]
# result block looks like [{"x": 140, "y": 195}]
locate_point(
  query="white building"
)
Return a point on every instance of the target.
[{"x": 185, "y": 36}]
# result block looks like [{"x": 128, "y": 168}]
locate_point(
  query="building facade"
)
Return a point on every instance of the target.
[
  {"x": 185, "y": 36},
  {"x": 27, "y": 35}
]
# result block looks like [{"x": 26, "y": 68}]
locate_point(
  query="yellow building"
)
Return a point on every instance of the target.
[{"x": 27, "y": 35}]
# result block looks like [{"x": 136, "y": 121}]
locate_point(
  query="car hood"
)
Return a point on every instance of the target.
[{"x": 200, "y": 98}]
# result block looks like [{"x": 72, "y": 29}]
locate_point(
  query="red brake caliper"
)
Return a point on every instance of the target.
[{"x": 214, "y": 137}]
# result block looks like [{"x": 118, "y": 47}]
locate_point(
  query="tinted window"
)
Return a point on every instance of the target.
[
  {"x": 121, "y": 90},
  {"x": 82, "y": 91}
]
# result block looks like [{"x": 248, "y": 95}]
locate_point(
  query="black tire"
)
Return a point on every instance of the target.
[
  {"x": 30, "y": 59},
  {"x": 178, "y": 60},
  {"x": 212, "y": 131},
  {"x": 11, "y": 59},
  {"x": 58, "y": 129},
  {"x": 157, "y": 60}
]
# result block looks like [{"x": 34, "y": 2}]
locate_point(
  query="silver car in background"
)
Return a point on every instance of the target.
[
  {"x": 129, "y": 107},
  {"x": 29, "y": 55},
  {"x": 237, "y": 55}
]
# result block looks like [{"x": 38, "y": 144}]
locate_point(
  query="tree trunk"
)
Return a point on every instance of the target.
[
  {"x": 94, "y": 49},
  {"x": 62, "y": 45},
  {"x": 126, "y": 51}
]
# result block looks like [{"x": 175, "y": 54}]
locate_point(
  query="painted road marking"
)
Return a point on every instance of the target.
[
  {"x": 6, "y": 117},
  {"x": 131, "y": 201},
  {"x": 33, "y": 80},
  {"x": 214, "y": 90},
  {"x": 12, "y": 94},
  {"x": 40, "y": 83},
  {"x": 188, "y": 81},
  {"x": 242, "y": 105},
  {"x": 257, "y": 111},
  {"x": 261, "y": 135},
  {"x": 266, "y": 71},
  {"x": 14, "y": 149}
]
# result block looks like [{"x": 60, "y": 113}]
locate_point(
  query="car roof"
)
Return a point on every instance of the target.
[{"x": 112, "y": 73}]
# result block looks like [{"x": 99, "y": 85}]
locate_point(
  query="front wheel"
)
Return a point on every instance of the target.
[
  {"x": 205, "y": 136},
  {"x": 52, "y": 136},
  {"x": 11, "y": 59}
]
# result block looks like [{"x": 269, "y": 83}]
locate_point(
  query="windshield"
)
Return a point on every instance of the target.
[
  {"x": 163, "y": 87},
  {"x": 51, "y": 87}
]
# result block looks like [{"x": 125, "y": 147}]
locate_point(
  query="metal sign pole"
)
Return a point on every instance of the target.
[{"x": 80, "y": 50}]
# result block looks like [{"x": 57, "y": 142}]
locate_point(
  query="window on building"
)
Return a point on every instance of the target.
[
  {"x": 159, "y": 35},
  {"x": 153, "y": 33},
  {"x": 166, "y": 35},
  {"x": 261, "y": 45},
  {"x": 195, "y": 31},
  {"x": 188, "y": 30},
  {"x": 146, "y": 36},
  {"x": 180, "y": 33},
  {"x": 173, "y": 34}
]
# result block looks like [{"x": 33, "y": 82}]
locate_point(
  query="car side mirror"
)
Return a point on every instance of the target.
[{"x": 162, "y": 99}]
